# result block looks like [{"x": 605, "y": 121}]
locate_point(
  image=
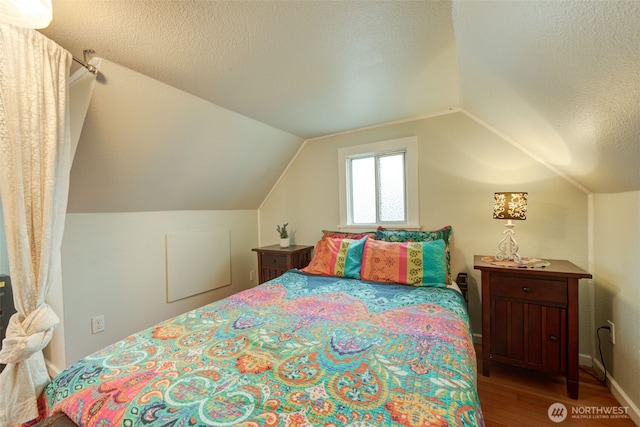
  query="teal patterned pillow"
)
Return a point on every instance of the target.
[{"x": 420, "y": 236}]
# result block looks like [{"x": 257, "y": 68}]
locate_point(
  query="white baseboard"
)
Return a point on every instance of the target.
[
  {"x": 618, "y": 393},
  {"x": 585, "y": 360},
  {"x": 52, "y": 369},
  {"x": 477, "y": 339},
  {"x": 632, "y": 409}
]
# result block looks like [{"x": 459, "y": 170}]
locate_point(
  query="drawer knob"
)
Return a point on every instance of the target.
[
  {"x": 274, "y": 261},
  {"x": 553, "y": 338},
  {"x": 526, "y": 289}
]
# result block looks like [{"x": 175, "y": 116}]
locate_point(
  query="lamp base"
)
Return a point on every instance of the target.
[{"x": 508, "y": 247}]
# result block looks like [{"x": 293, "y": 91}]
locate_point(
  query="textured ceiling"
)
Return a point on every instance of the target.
[
  {"x": 308, "y": 67},
  {"x": 560, "y": 79}
]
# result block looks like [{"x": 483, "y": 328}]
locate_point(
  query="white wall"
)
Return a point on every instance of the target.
[
  {"x": 114, "y": 264},
  {"x": 461, "y": 165},
  {"x": 617, "y": 286}
]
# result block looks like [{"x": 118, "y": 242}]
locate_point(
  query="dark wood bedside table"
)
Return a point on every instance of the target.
[
  {"x": 530, "y": 318},
  {"x": 273, "y": 260}
]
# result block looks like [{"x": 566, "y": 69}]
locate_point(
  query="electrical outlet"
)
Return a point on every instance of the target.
[
  {"x": 97, "y": 324},
  {"x": 252, "y": 275},
  {"x": 612, "y": 332}
]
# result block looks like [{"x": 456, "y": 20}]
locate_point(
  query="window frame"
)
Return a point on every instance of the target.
[{"x": 408, "y": 145}]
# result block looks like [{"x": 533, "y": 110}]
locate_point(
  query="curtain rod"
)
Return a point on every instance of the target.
[
  {"x": 91, "y": 68},
  {"x": 85, "y": 64}
]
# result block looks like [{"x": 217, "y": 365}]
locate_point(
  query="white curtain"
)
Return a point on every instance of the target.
[{"x": 34, "y": 185}]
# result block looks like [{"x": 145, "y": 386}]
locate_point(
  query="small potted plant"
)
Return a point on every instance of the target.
[{"x": 284, "y": 235}]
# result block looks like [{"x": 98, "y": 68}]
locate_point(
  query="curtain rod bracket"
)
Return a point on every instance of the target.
[
  {"x": 85, "y": 63},
  {"x": 86, "y": 53}
]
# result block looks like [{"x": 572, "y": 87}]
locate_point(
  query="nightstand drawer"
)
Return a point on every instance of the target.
[
  {"x": 529, "y": 289},
  {"x": 274, "y": 261}
]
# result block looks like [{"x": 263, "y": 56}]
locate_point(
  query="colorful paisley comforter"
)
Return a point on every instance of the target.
[{"x": 299, "y": 350}]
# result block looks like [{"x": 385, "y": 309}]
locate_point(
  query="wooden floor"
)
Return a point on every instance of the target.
[{"x": 517, "y": 397}]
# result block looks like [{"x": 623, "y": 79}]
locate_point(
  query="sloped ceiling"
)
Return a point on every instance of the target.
[
  {"x": 147, "y": 146},
  {"x": 308, "y": 67},
  {"x": 561, "y": 79}
]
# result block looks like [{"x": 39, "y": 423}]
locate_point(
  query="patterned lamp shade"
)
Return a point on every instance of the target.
[{"x": 510, "y": 206}]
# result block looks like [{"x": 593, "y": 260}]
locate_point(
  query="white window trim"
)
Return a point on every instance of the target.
[{"x": 410, "y": 146}]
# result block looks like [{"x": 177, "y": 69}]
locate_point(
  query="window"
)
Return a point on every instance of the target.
[
  {"x": 378, "y": 184},
  {"x": 377, "y": 192}
]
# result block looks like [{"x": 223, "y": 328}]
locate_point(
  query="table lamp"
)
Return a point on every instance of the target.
[{"x": 510, "y": 206}]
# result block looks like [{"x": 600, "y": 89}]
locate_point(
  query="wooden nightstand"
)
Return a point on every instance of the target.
[
  {"x": 530, "y": 318},
  {"x": 273, "y": 260}
]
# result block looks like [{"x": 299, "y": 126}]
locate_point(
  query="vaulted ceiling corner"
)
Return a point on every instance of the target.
[{"x": 559, "y": 78}]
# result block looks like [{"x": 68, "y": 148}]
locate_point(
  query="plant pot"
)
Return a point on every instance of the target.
[{"x": 284, "y": 243}]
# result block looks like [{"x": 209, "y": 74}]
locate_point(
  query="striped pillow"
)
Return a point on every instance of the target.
[
  {"x": 337, "y": 257},
  {"x": 445, "y": 233},
  {"x": 408, "y": 263}
]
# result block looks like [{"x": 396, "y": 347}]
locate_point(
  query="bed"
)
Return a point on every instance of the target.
[{"x": 304, "y": 349}]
